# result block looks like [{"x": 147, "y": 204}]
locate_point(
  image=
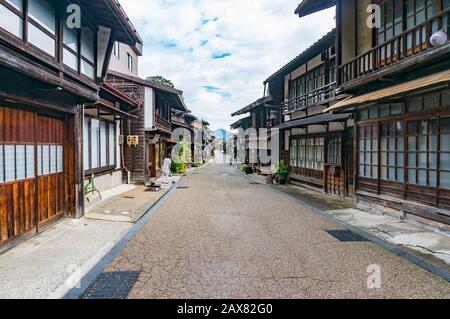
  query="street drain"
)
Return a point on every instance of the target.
[
  {"x": 182, "y": 187},
  {"x": 346, "y": 236},
  {"x": 112, "y": 285},
  {"x": 129, "y": 197},
  {"x": 254, "y": 183}
]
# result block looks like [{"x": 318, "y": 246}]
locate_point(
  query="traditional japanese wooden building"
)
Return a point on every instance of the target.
[
  {"x": 48, "y": 72},
  {"x": 317, "y": 146},
  {"x": 153, "y": 126},
  {"x": 264, "y": 115},
  {"x": 242, "y": 150},
  {"x": 396, "y": 75}
]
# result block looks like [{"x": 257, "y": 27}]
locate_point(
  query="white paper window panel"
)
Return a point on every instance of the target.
[
  {"x": 60, "y": 164},
  {"x": 39, "y": 159},
  {"x": 112, "y": 144},
  {"x": 41, "y": 40},
  {"x": 45, "y": 159},
  {"x": 70, "y": 37},
  {"x": 2, "y": 177},
  {"x": 86, "y": 144},
  {"x": 53, "y": 159},
  {"x": 103, "y": 143},
  {"x": 95, "y": 136},
  {"x": 42, "y": 12},
  {"x": 20, "y": 162},
  {"x": 30, "y": 160},
  {"x": 11, "y": 22},
  {"x": 10, "y": 163},
  {"x": 87, "y": 44},
  {"x": 87, "y": 69},
  {"x": 70, "y": 60}
]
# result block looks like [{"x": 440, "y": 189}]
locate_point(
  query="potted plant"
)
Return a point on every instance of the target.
[{"x": 281, "y": 173}]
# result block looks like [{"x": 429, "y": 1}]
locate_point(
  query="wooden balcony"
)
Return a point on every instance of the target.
[
  {"x": 319, "y": 96},
  {"x": 405, "y": 46},
  {"x": 163, "y": 124}
]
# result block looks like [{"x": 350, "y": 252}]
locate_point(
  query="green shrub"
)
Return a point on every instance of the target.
[
  {"x": 281, "y": 173},
  {"x": 246, "y": 169},
  {"x": 196, "y": 164},
  {"x": 179, "y": 168}
]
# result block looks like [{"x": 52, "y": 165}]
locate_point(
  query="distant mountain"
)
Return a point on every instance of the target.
[{"x": 222, "y": 134}]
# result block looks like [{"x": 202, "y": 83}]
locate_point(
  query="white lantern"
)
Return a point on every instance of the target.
[{"x": 439, "y": 39}]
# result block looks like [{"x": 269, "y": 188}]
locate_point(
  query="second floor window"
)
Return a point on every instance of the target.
[
  {"x": 41, "y": 25},
  {"x": 130, "y": 62},
  {"x": 401, "y": 15},
  {"x": 116, "y": 50},
  {"x": 40, "y": 16}
]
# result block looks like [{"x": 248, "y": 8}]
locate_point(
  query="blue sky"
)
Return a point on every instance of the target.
[{"x": 220, "y": 51}]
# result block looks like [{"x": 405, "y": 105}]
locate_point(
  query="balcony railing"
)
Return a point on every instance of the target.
[
  {"x": 409, "y": 43},
  {"x": 162, "y": 124},
  {"x": 302, "y": 102}
]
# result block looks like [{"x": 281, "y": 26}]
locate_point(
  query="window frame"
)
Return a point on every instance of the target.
[{"x": 110, "y": 166}]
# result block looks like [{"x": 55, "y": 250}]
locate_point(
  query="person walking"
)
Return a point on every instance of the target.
[{"x": 166, "y": 168}]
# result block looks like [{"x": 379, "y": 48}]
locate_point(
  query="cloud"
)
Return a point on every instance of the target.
[{"x": 220, "y": 51}]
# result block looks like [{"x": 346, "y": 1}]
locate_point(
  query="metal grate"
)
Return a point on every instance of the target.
[
  {"x": 112, "y": 285},
  {"x": 182, "y": 187},
  {"x": 346, "y": 236}
]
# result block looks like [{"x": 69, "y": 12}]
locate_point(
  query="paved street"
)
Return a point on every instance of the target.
[{"x": 221, "y": 236}]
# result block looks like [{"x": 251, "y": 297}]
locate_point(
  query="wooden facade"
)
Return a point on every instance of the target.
[
  {"x": 45, "y": 83},
  {"x": 265, "y": 114},
  {"x": 397, "y": 84},
  {"x": 153, "y": 125},
  {"x": 314, "y": 143}
]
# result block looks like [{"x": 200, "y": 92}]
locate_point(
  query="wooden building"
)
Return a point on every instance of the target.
[
  {"x": 48, "y": 71},
  {"x": 264, "y": 115},
  {"x": 242, "y": 150},
  {"x": 396, "y": 76},
  {"x": 184, "y": 123},
  {"x": 314, "y": 144},
  {"x": 153, "y": 126}
]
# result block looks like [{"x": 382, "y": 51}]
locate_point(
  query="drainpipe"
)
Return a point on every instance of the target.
[{"x": 122, "y": 158}]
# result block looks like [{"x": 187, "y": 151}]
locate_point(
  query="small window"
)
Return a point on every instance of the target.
[
  {"x": 10, "y": 163},
  {"x": 59, "y": 161},
  {"x": 11, "y": 22},
  {"x": 116, "y": 49},
  {"x": 2, "y": 177},
  {"x": 52, "y": 159},
  {"x": 20, "y": 162},
  {"x": 30, "y": 161},
  {"x": 130, "y": 62},
  {"x": 45, "y": 159}
]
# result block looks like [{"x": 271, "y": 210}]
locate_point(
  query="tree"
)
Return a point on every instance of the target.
[{"x": 158, "y": 79}]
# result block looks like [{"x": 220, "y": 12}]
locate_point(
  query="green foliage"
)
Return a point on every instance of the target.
[
  {"x": 246, "y": 169},
  {"x": 179, "y": 168},
  {"x": 158, "y": 79},
  {"x": 281, "y": 173},
  {"x": 196, "y": 164}
]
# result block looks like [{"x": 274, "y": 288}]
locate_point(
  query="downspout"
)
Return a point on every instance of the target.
[{"x": 122, "y": 157}]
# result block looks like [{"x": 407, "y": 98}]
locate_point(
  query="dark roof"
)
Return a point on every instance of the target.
[
  {"x": 253, "y": 105},
  {"x": 239, "y": 123},
  {"x": 110, "y": 13},
  {"x": 307, "y": 7},
  {"x": 325, "y": 42},
  {"x": 119, "y": 94},
  {"x": 173, "y": 95},
  {"x": 316, "y": 119}
]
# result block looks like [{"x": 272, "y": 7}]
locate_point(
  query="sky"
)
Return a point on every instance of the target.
[{"x": 219, "y": 52}]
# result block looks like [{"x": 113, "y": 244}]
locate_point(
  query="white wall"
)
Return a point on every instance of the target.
[
  {"x": 120, "y": 64},
  {"x": 149, "y": 118}
]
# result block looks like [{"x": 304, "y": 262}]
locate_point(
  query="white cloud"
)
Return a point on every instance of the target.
[{"x": 260, "y": 36}]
